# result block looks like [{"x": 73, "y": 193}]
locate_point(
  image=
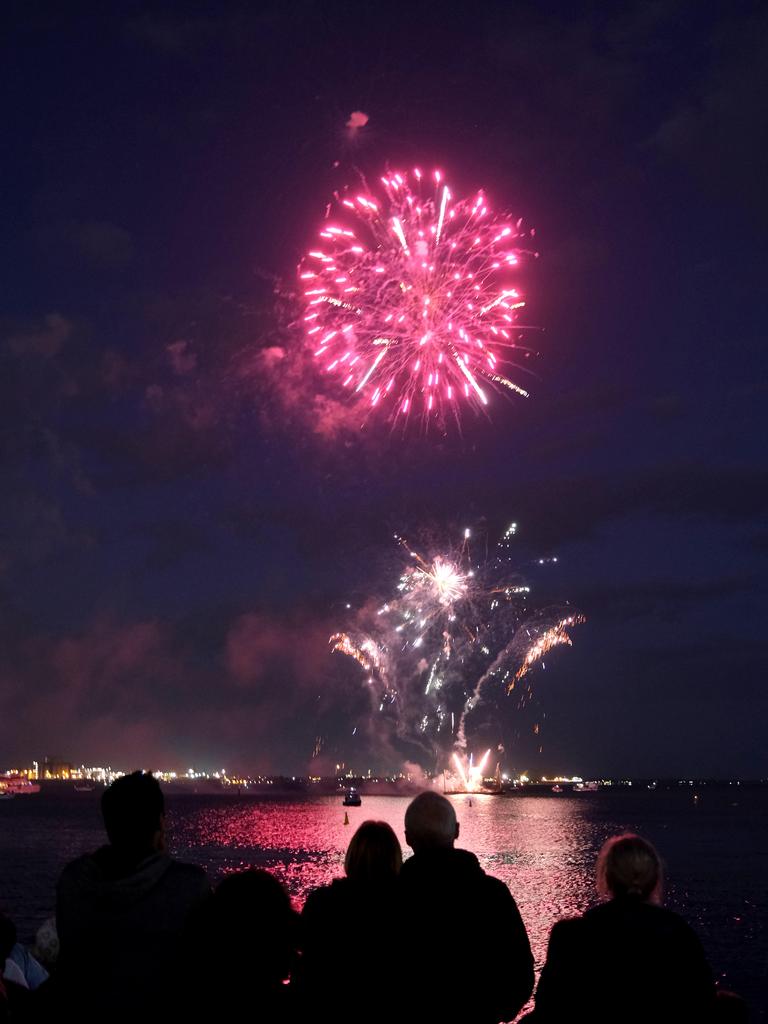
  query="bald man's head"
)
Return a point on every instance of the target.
[{"x": 430, "y": 823}]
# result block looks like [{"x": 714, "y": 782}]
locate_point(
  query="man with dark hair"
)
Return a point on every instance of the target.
[
  {"x": 121, "y": 911},
  {"x": 449, "y": 903},
  {"x": 133, "y": 809}
]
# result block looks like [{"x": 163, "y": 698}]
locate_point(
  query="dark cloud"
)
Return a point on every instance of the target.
[
  {"x": 67, "y": 462},
  {"x": 106, "y": 244},
  {"x": 660, "y": 598},
  {"x": 560, "y": 511},
  {"x": 46, "y": 341},
  {"x": 98, "y": 244},
  {"x": 174, "y": 34},
  {"x": 137, "y": 690},
  {"x": 186, "y": 505},
  {"x": 162, "y": 448},
  {"x": 189, "y": 34},
  {"x": 181, "y": 357},
  {"x": 172, "y": 541},
  {"x": 718, "y": 129},
  {"x": 258, "y": 647},
  {"x": 33, "y": 527}
]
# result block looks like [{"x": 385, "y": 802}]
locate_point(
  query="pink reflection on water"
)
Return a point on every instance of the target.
[{"x": 542, "y": 848}]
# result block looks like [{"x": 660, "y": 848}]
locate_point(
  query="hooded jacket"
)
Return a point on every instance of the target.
[
  {"x": 120, "y": 925},
  {"x": 470, "y": 958}
]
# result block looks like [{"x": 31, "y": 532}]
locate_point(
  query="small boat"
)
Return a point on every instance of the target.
[
  {"x": 18, "y": 786},
  {"x": 557, "y": 789},
  {"x": 84, "y": 788},
  {"x": 586, "y": 787},
  {"x": 352, "y": 798}
]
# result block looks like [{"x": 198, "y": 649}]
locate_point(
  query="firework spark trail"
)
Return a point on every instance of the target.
[
  {"x": 544, "y": 642},
  {"x": 412, "y": 298},
  {"x": 529, "y": 644},
  {"x": 365, "y": 652},
  {"x": 453, "y": 628},
  {"x": 470, "y": 774}
]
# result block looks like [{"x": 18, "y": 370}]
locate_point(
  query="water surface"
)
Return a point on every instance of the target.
[{"x": 544, "y": 848}]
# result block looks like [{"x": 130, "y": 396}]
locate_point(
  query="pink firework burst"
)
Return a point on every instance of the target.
[{"x": 412, "y": 299}]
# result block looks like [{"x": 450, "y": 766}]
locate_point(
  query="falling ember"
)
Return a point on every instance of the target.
[
  {"x": 412, "y": 281},
  {"x": 365, "y": 655},
  {"x": 545, "y": 641}
]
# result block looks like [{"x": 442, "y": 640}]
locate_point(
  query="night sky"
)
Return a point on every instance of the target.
[{"x": 183, "y": 518}]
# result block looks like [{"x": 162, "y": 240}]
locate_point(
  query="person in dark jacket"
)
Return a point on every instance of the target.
[
  {"x": 450, "y": 905},
  {"x": 121, "y": 911},
  {"x": 351, "y": 937},
  {"x": 241, "y": 948},
  {"x": 629, "y": 959}
]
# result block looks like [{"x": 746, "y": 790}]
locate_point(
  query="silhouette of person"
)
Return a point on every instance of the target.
[
  {"x": 350, "y": 931},
  {"x": 629, "y": 959},
  {"x": 121, "y": 911},
  {"x": 242, "y": 948},
  {"x": 450, "y": 903}
]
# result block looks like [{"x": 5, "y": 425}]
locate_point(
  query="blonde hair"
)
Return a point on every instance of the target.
[
  {"x": 629, "y": 866},
  {"x": 374, "y": 853}
]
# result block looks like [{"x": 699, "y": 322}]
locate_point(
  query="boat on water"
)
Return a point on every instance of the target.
[
  {"x": 352, "y": 798},
  {"x": 557, "y": 789},
  {"x": 586, "y": 787},
  {"x": 18, "y": 787},
  {"x": 84, "y": 788}
]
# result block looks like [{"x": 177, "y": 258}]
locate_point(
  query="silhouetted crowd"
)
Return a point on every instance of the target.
[{"x": 141, "y": 937}]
